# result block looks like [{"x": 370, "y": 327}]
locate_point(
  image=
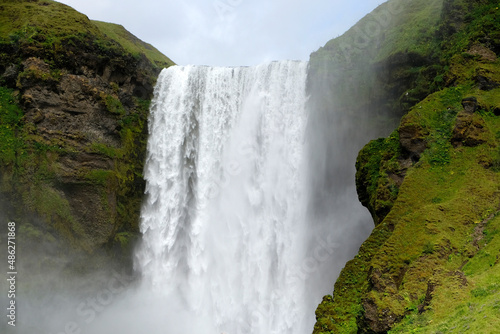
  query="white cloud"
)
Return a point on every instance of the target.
[{"x": 230, "y": 32}]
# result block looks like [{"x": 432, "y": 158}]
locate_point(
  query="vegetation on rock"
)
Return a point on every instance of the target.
[{"x": 432, "y": 186}]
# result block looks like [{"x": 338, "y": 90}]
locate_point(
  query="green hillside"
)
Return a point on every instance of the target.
[
  {"x": 388, "y": 60},
  {"x": 431, "y": 264},
  {"x": 132, "y": 44},
  {"x": 49, "y": 24}
]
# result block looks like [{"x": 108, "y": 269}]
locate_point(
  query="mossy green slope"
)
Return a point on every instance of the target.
[
  {"x": 431, "y": 264},
  {"x": 447, "y": 207},
  {"x": 382, "y": 62},
  {"x": 132, "y": 44},
  {"x": 59, "y": 22},
  {"x": 74, "y": 100},
  {"x": 56, "y": 19}
]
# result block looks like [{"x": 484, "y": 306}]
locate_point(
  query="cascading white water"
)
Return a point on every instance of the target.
[{"x": 224, "y": 226}]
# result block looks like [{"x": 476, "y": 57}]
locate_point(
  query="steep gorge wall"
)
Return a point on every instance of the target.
[
  {"x": 366, "y": 79},
  {"x": 432, "y": 185},
  {"x": 74, "y": 106}
]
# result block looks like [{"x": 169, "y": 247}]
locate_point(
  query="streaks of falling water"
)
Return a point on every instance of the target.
[{"x": 224, "y": 221}]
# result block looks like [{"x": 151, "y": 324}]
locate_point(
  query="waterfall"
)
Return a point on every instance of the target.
[
  {"x": 223, "y": 225},
  {"x": 228, "y": 245}
]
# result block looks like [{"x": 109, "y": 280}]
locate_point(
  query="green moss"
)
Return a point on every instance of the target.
[
  {"x": 10, "y": 126},
  {"x": 47, "y": 15},
  {"x": 483, "y": 21},
  {"x": 471, "y": 307},
  {"x": 402, "y": 26},
  {"x": 451, "y": 201},
  {"x": 99, "y": 176},
  {"x": 124, "y": 239},
  {"x": 29, "y": 233},
  {"x": 33, "y": 74},
  {"x": 426, "y": 230},
  {"x": 132, "y": 44},
  {"x": 375, "y": 165},
  {"x": 413, "y": 29},
  {"x": 429, "y": 248},
  {"x": 56, "y": 33},
  {"x": 113, "y": 104},
  {"x": 342, "y": 312},
  {"x": 55, "y": 209},
  {"x": 125, "y": 179},
  {"x": 106, "y": 150}
]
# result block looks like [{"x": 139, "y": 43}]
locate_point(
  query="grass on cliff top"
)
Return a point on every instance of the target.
[
  {"x": 413, "y": 29},
  {"x": 395, "y": 26},
  {"x": 132, "y": 44},
  {"x": 48, "y": 21},
  {"x": 53, "y": 17}
]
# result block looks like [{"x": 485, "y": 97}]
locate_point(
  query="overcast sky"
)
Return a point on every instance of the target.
[{"x": 230, "y": 32}]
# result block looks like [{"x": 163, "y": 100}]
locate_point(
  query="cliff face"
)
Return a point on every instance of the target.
[
  {"x": 366, "y": 79},
  {"x": 432, "y": 186},
  {"x": 74, "y": 97}
]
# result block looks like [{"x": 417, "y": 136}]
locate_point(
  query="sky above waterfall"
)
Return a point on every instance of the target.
[{"x": 230, "y": 32}]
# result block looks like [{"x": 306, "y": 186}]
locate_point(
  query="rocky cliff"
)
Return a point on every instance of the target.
[
  {"x": 74, "y": 97},
  {"x": 431, "y": 264}
]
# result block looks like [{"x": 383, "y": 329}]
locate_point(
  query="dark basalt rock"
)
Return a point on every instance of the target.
[
  {"x": 469, "y": 104},
  {"x": 412, "y": 138},
  {"x": 485, "y": 83},
  {"x": 470, "y": 129}
]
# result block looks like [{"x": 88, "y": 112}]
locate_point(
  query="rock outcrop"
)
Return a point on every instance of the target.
[
  {"x": 470, "y": 128},
  {"x": 74, "y": 141}
]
